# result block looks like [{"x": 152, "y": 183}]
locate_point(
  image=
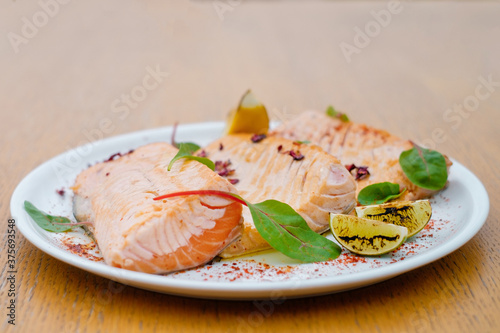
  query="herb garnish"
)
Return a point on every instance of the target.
[
  {"x": 49, "y": 222},
  {"x": 424, "y": 167},
  {"x": 296, "y": 155},
  {"x": 330, "y": 111},
  {"x": 379, "y": 193},
  {"x": 258, "y": 137},
  {"x": 281, "y": 226},
  {"x": 186, "y": 150},
  {"x": 222, "y": 168},
  {"x": 359, "y": 172}
]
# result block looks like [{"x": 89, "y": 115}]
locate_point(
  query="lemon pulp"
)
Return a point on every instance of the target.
[
  {"x": 366, "y": 237},
  {"x": 249, "y": 117},
  {"x": 413, "y": 215}
]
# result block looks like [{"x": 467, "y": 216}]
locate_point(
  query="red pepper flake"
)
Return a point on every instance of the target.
[
  {"x": 202, "y": 153},
  {"x": 296, "y": 155},
  {"x": 82, "y": 250},
  {"x": 113, "y": 157},
  {"x": 279, "y": 148},
  {"x": 60, "y": 192},
  {"x": 234, "y": 181},
  {"x": 258, "y": 137},
  {"x": 358, "y": 172},
  {"x": 222, "y": 168},
  {"x": 430, "y": 224},
  {"x": 349, "y": 259},
  {"x": 118, "y": 155},
  {"x": 350, "y": 167},
  {"x": 107, "y": 174},
  {"x": 221, "y": 146}
]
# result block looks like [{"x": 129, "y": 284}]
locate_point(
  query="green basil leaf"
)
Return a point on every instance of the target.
[
  {"x": 186, "y": 150},
  {"x": 286, "y": 231},
  {"x": 46, "y": 221},
  {"x": 424, "y": 167},
  {"x": 330, "y": 111},
  {"x": 378, "y": 193},
  {"x": 189, "y": 147}
]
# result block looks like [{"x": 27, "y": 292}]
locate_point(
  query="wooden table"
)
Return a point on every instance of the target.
[{"x": 78, "y": 71}]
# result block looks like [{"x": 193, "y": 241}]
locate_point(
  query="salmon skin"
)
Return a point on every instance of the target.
[
  {"x": 358, "y": 145},
  {"x": 311, "y": 181},
  {"x": 137, "y": 233}
]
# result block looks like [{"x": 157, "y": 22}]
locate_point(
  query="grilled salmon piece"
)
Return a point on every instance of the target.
[
  {"x": 314, "y": 185},
  {"x": 137, "y": 233},
  {"x": 356, "y": 144}
]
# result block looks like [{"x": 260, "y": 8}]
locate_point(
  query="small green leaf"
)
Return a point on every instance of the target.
[
  {"x": 186, "y": 150},
  {"x": 424, "y": 167},
  {"x": 330, "y": 111},
  {"x": 286, "y": 231},
  {"x": 46, "y": 221},
  {"x": 379, "y": 193}
]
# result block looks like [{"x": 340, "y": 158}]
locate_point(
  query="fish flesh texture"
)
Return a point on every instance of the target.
[
  {"x": 303, "y": 176},
  {"x": 356, "y": 145},
  {"x": 137, "y": 233}
]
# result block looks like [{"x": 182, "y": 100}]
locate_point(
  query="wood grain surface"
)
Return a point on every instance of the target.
[{"x": 66, "y": 71}]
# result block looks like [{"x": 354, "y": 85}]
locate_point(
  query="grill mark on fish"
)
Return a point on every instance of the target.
[
  {"x": 361, "y": 145},
  {"x": 344, "y": 139},
  {"x": 266, "y": 173}
]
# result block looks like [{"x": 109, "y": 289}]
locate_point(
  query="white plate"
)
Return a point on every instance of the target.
[{"x": 458, "y": 213}]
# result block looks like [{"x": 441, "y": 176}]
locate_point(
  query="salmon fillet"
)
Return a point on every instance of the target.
[
  {"x": 137, "y": 233},
  {"x": 356, "y": 144},
  {"x": 314, "y": 186}
]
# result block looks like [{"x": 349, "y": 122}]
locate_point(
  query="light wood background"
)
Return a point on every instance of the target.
[{"x": 61, "y": 79}]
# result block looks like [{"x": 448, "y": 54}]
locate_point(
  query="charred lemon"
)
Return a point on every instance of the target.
[
  {"x": 413, "y": 215},
  {"x": 249, "y": 117},
  {"x": 366, "y": 237}
]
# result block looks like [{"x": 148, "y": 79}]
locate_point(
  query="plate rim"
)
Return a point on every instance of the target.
[{"x": 244, "y": 290}]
